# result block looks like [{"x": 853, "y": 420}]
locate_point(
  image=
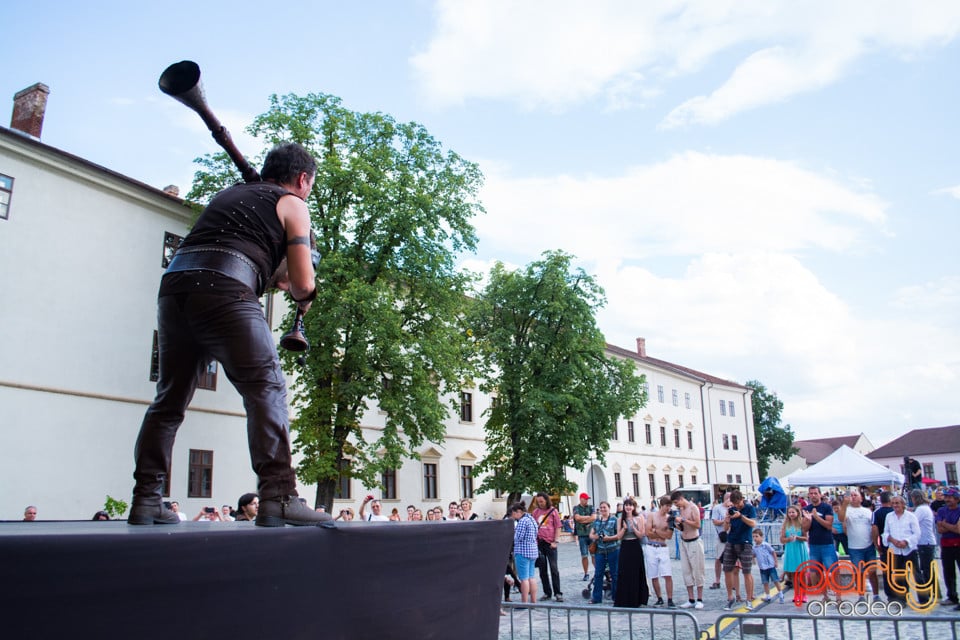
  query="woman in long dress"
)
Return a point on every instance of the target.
[
  {"x": 632, "y": 590},
  {"x": 794, "y": 544}
]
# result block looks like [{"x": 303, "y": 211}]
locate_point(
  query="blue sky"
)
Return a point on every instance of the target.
[{"x": 766, "y": 190}]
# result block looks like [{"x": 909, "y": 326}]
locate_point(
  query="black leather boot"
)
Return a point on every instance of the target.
[
  {"x": 151, "y": 514},
  {"x": 279, "y": 511}
]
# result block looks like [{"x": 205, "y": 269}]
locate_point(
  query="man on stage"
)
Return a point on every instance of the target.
[{"x": 209, "y": 308}]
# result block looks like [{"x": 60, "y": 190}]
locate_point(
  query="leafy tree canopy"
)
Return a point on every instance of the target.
[
  {"x": 773, "y": 441},
  {"x": 558, "y": 394}
]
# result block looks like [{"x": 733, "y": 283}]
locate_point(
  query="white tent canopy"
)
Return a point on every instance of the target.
[{"x": 843, "y": 467}]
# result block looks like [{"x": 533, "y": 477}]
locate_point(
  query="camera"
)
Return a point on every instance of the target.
[
  {"x": 731, "y": 511},
  {"x": 209, "y": 510}
]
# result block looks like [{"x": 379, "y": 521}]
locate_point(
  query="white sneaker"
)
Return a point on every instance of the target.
[
  {"x": 699, "y": 605},
  {"x": 686, "y": 605}
]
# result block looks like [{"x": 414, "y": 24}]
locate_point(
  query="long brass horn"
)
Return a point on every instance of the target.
[{"x": 181, "y": 81}]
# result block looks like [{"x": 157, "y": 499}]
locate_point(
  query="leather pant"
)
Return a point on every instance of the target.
[{"x": 193, "y": 329}]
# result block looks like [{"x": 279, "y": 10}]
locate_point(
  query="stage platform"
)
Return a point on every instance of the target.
[{"x": 235, "y": 580}]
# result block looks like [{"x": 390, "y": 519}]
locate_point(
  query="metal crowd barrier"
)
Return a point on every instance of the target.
[
  {"x": 788, "y": 626},
  {"x": 590, "y": 622}
]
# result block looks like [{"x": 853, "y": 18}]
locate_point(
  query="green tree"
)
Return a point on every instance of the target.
[
  {"x": 558, "y": 394},
  {"x": 391, "y": 210},
  {"x": 773, "y": 441}
]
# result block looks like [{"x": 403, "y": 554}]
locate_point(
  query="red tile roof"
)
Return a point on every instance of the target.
[
  {"x": 919, "y": 442},
  {"x": 676, "y": 368}
]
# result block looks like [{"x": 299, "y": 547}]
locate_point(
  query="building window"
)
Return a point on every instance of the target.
[
  {"x": 675, "y": 397},
  {"x": 636, "y": 484},
  {"x": 498, "y": 494},
  {"x": 6, "y": 191},
  {"x": 631, "y": 435},
  {"x": 951, "y": 468},
  {"x": 171, "y": 242},
  {"x": 616, "y": 432},
  {"x": 730, "y": 406},
  {"x": 680, "y": 481},
  {"x": 733, "y": 439},
  {"x": 647, "y": 432},
  {"x": 723, "y": 407},
  {"x": 430, "y": 480},
  {"x": 690, "y": 441},
  {"x": 200, "y": 480},
  {"x": 686, "y": 400},
  {"x": 660, "y": 392},
  {"x": 617, "y": 487},
  {"x": 653, "y": 484},
  {"x": 466, "y": 481},
  {"x": 466, "y": 406},
  {"x": 928, "y": 470},
  {"x": 155, "y": 359},
  {"x": 389, "y": 481},
  {"x": 729, "y": 477},
  {"x": 676, "y": 438},
  {"x": 342, "y": 490},
  {"x": 693, "y": 479},
  {"x": 726, "y": 441},
  {"x": 739, "y": 479},
  {"x": 663, "y": 436},
  {"x": 208, "y": 377},
  {"x": 666, "y": 483}
]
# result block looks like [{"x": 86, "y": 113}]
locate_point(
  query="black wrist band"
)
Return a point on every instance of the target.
[{"x": 309, "y": 298}]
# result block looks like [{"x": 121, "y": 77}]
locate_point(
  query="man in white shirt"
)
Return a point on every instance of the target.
[
  {"x": 901, "y": 535},
  {"x": 375, "y": 507},
  {"x": 175, "y": 507},
  {"x": 858, "y": 523},
  {"x": 717, "y": 514}
]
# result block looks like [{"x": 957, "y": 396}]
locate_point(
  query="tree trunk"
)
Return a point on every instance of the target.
[{"x": 325, "y": 491}]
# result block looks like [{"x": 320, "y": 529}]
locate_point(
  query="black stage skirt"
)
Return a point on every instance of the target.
[{"x": 632, "y": 590}]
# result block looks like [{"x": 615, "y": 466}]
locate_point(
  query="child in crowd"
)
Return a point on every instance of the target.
[{"x": 767, "y": 561}]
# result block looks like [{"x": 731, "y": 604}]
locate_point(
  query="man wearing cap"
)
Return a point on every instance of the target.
[
  {"x": 948, "y": 526},
  {"x": 584, "y": 517}
]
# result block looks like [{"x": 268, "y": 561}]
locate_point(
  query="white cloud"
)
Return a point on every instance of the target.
[
  {"x": 952, "y": 191},
  {"x": 553, "y": 54},
  {"x": 744, "y": 303},
  {"x": 766, "y": 316},
  {"x": 691, "y": 204}
]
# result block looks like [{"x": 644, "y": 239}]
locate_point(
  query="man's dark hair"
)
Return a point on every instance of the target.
[
  {"x": 286, "y": 162},
  {"x": 244, "y": 500},
  {"x": 676, "y": 495},
  {"x": 517, "y": 506},
  {"x": 736, "y": 496},
  {"x": 885, "y": 497}
]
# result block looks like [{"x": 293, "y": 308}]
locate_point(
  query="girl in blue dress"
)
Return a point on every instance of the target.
[{"x": 794, "y": 542}]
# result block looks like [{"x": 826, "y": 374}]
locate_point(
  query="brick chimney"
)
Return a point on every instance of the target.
[
  {"x": 642, "y": 347},
  {"x": 29, "y": 106}
]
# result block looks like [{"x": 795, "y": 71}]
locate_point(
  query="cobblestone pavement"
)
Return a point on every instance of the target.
[{"x": 568, "y": 620}]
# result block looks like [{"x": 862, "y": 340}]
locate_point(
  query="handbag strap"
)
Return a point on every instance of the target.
[{"x": 547, "y": 515}]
